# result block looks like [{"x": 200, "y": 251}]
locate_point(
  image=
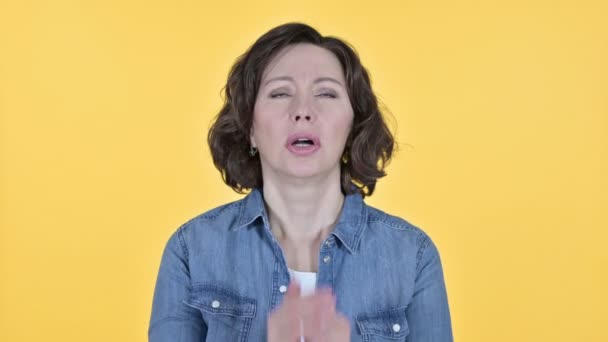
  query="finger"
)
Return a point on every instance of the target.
[
  {"x": 324, "y": 291},
  {"x": 326, "y": 313},
  {"x": 338, "y": 330},
  {"x": 293, "y": 309},
  {"x": 282, "y": 326},
  {"x": 284, "y": 321},
  {"x": 292, "y": 300},
  {"x": 314, "y": 304},
  {"x": 317, "y": 313},
  {"x": 293, "y": 290}
]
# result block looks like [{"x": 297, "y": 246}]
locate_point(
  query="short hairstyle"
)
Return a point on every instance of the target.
[{"x": 368, "y": 148}]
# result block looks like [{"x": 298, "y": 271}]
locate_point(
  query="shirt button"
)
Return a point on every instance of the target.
[
  {"x": 283, "y": 289},
  {"x": 326, "y": 259},
  {"x": 396, "y": 327},
  {"x": 215, "y": 304},
  {"x": 327, "y": 243}
]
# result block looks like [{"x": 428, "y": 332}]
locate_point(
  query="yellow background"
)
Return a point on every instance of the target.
[{"x": 501, "y": 111}]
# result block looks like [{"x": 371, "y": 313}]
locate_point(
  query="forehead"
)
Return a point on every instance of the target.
[{"x": 303, "y": 60}]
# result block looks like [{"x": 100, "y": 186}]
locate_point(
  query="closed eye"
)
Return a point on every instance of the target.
[
  {"x": 276, "y": 95},
  {"x": 328, "y": 95}
]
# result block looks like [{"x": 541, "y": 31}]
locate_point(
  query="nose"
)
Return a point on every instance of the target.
[
  {"x": 301, "y": 109},
  {"x": 297, "y": 117}
]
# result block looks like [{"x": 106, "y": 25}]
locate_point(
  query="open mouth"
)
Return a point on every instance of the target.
[{"x": 302, "y": 142}]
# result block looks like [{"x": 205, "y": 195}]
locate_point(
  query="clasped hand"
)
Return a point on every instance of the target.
[{"x": 314, "y": 317}]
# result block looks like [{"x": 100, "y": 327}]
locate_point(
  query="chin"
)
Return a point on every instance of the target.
[
  {"x": 307, "y": 171},
  {"x": 303, "y": 173}
]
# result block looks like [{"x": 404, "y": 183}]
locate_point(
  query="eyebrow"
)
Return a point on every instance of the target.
[{"x": 317, "y": 80}]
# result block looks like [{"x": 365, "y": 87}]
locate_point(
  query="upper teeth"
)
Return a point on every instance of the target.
[{"x": 302, "y": 141}]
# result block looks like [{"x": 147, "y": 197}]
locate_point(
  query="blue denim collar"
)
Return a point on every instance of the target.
[{"x": 348, "y": 229}]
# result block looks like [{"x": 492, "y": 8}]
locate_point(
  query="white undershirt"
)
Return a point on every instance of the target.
[{"x": 307, "y": 281}]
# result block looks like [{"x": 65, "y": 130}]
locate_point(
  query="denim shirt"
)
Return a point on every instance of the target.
[{"x": 223, "y": 272}]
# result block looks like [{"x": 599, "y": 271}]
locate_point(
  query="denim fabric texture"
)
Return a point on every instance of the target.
[{"x": 223, "y": 272}]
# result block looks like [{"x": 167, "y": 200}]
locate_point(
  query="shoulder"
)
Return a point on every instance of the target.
[
  {"x": 227, "y": 210},
  {"x": 397, "y": 229},
  {"x": 212, "y": 221},
  {"x": 379, "y": 218}
]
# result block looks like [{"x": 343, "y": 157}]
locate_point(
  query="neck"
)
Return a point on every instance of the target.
[{"x": 303, "y": 213}]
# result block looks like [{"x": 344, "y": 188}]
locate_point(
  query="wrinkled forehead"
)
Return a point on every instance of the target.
[{"x": 304, "y": 60}]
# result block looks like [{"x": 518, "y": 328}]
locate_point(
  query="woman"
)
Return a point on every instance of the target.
[{"x": 301, "y": 257}]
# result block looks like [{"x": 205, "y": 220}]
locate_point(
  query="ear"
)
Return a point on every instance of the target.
[{"x": 251, "y": 139}]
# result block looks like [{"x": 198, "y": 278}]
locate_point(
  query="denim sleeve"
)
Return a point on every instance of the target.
[
  {"x": 171, "y": 319},
  {"x": 428, "y": 314}
]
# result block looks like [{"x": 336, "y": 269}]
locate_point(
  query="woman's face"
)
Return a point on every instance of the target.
[{"x": 302, "y": 114}]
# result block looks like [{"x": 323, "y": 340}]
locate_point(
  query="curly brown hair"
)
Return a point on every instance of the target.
[{"x": 369, "y": 145}]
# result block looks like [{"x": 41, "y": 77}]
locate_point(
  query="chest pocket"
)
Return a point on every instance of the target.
[
  {"x": 227, "y": 314},
  {"x": 388, "y": 325}
]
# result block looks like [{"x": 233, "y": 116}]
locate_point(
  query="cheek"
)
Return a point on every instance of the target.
[
  {"x": 264, "y": 113},
  {"x": 345, "y": 120},
  {"x": 344, "y": 123},
  {"x": 339, "y": 130},
  {"x": 266, "y": 129}
]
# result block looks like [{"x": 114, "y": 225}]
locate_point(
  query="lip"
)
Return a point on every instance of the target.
[{"x": 304, "y": 150}]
